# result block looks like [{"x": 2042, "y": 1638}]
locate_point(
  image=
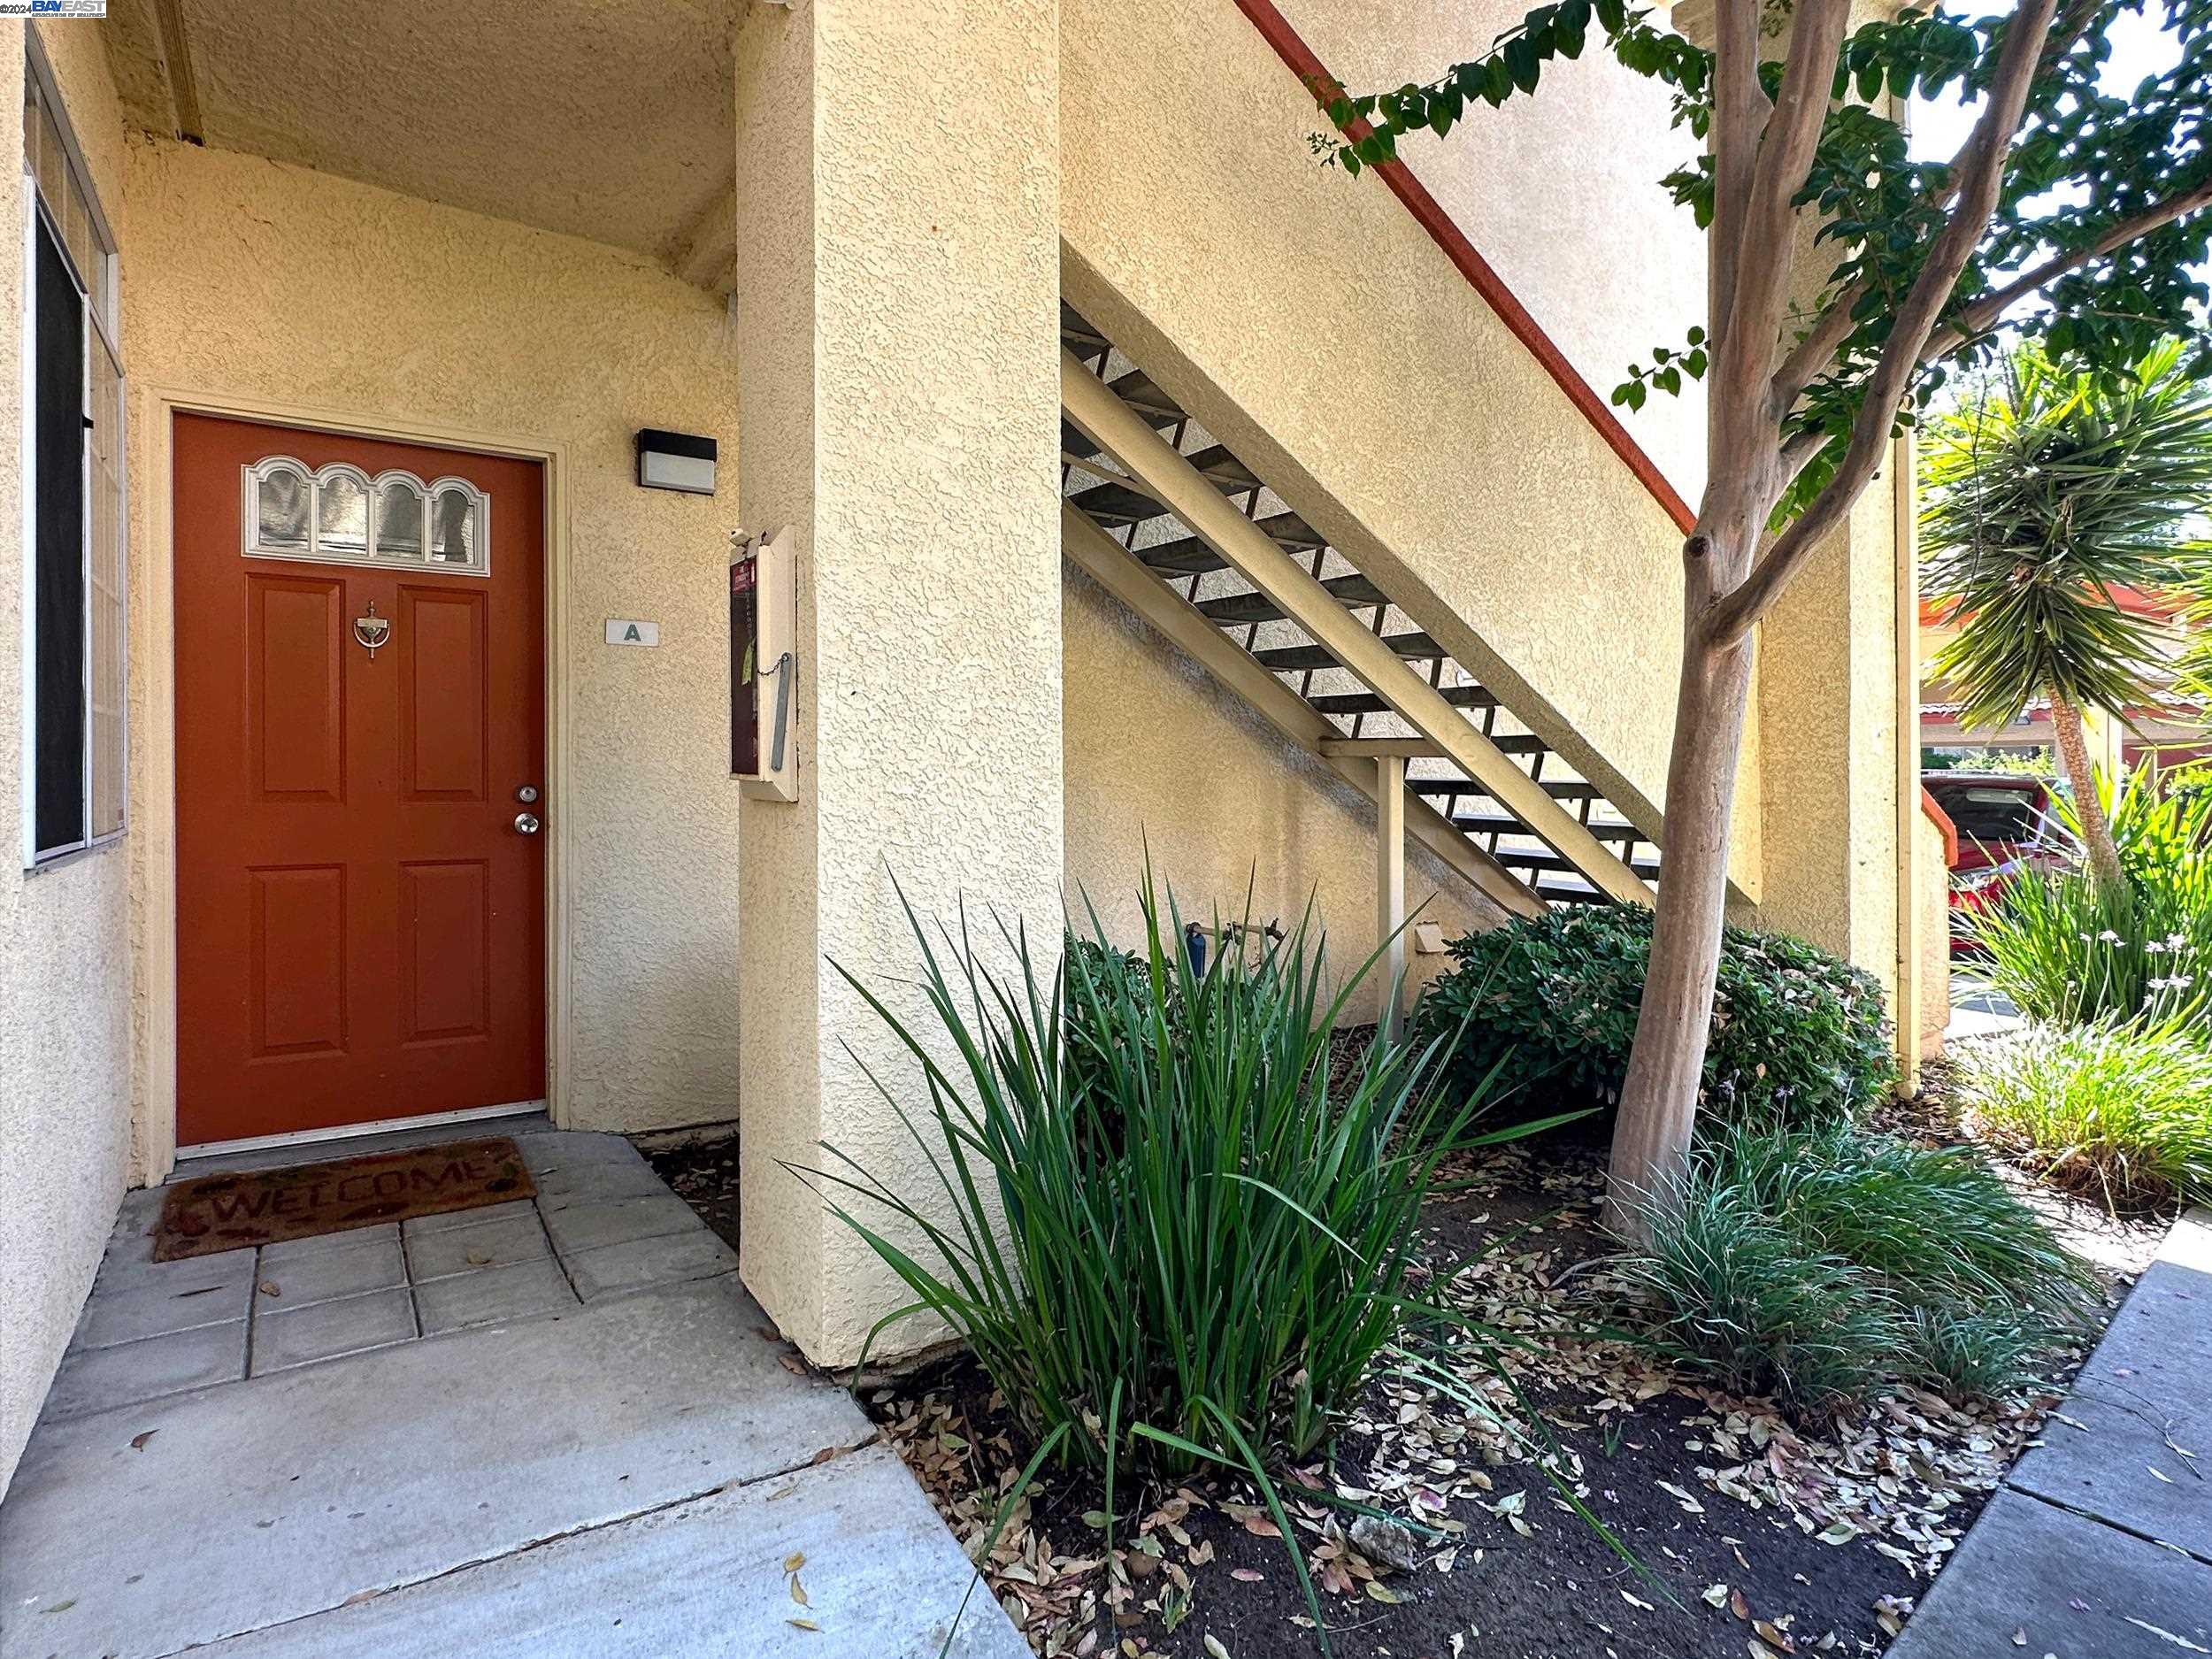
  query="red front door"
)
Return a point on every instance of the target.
[{"x": 360, "y": 914}]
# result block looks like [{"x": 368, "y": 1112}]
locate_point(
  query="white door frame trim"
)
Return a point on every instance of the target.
[{"x": 152, "y": 624}]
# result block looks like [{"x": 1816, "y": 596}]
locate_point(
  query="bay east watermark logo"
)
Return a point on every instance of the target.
[{"x": 53, "y": 8}]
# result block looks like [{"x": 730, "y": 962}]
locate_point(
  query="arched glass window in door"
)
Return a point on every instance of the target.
[{"x": 339, "y": 515}]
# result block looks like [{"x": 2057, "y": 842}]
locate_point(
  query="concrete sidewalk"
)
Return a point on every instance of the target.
[
  {"x": 2098, "y": 1544},
  {"x": 551, "y": 1427}
]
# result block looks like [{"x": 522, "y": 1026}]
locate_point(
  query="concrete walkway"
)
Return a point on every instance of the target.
[
  {"x": 2099, "y": 1545},
  {"x": 551, "y": 1427},
  {"x": 1977, "y": 1007}
]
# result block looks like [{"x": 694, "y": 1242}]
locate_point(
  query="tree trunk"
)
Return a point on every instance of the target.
[
  {"x": 1651, "y": 1138},
  {"x": 2096, "y": 833}
]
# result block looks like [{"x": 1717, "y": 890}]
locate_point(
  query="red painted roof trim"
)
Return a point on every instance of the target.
[{"x": 1311, "y": 72}]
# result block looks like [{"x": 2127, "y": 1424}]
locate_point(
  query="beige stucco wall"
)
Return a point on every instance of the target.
[
  {"x": 1827, "y": 721},
  {"x": 269, "y": 283},
  {"x": 901, "y": 410},
  {"x": 1932, "y": 881},
  {"x": 1603, "y": 259},
  {"x": 1163, "y": 760},
  {"x": 65, "y": 970},
  {"x": 1311, "y": 323}
]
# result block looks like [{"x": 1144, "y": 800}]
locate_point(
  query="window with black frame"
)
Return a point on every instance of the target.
[{"x": 75, "y": 750}]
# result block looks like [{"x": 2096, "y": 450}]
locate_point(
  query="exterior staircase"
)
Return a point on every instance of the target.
[{"x": 1175, "y": 523}]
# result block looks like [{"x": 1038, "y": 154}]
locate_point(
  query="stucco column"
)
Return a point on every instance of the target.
[
  {"x": 1829, "y": 735},
  {"x": 896, "y": 305}
]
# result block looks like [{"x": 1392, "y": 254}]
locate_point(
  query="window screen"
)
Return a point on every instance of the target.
[
  {"x": 58, "y": 809},
  {"x": 76, "y": 572}
]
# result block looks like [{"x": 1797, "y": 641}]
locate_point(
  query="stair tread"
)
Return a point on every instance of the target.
[
  {"x": 1217, "y": 463},
  {"x": 1562, "y": 790},
  {"x": 1368, "y": 702},
  {"x": 1190, "y": 555},
  {"x": 1074, "y": 443},
  {"x": 1562, "y": 895},
  {"x": 1111, "y": 503},
  {"x": 1411, "y": 646},
  {"x": 1075, "y": 331},
  {"x": 1550, "y": 875},
  {"x": 1257, "y": 607},
  {"x": 1552, "y": 862},
  {"x": 1501, "y": 824},
  {"x": 1142, "y": 393}
]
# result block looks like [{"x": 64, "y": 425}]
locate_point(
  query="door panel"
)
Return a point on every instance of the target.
[
  {"x": 297, "y": 971},
  {"x": 360, "y": 929},
  {"x": 445, "y": 913},
  {"x": 444, "y": 695},
  {"x": 296, "y": 687}
]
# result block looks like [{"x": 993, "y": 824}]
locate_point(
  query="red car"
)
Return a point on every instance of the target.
[{"x": 2006, "y": 824}]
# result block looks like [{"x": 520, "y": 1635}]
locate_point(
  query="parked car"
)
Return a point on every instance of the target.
[{"x": 2006, "y": 824}]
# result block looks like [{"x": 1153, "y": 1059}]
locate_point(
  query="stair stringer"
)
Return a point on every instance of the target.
[
  {"x": 1636, "y": 794},
  {"x": 1123, "y": 576}
]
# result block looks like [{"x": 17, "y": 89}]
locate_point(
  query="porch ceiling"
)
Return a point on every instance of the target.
[{"x": 610, "y": 122}]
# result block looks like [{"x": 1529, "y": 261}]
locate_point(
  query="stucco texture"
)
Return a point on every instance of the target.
[
  {"x": 65, "y": 931},
  {"x": 250, "y": 278},
  {"x": 1828, "y": 725},
  {"x": 1310, "y": 323},
  {"x": 1932, "y": 884},
  {"x": 1599, "y": 255},
  {"x": 1166, "y": 763},
  {"x": 626, "y": 107},
  {"x": 900, "y": 411}
]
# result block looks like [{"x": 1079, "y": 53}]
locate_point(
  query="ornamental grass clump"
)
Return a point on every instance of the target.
[
  {"x": 1165, "y": 1234},
  {"x": 2120, "y": 1114},
  {"x": 2070, "y": 951},
  {"x": 1821, "y": 1264}
]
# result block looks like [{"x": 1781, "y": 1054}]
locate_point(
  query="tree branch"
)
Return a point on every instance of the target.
[
  {"x": 1980, "y": 171},
  {"x": 1976, "y": 317},
  {"x": 1753, "y": 326},
  {"x": 1812, "y": 355},
  {"x": 1739, "y": 117},
  {"x": 1798, "y": 454},
  {"x": 1809, "y": 359}
]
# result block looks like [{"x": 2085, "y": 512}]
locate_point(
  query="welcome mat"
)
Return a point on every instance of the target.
[{"x": 229, "y": 1212}]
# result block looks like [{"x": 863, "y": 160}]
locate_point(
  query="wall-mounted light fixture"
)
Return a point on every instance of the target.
[{"x": 675, "y": 460}]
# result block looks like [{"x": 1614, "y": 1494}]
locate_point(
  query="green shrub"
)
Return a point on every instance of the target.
[
  {"x": 1550, "y": 1002},
  {"x": 2065, "y": 952},
  {"x": 1205, "y": 1242},
  {"x": 2121, "y": 1113},
  {"x": 1817, "y": 1264}
]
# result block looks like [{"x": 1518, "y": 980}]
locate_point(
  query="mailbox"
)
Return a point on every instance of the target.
[{"x": 763, "y": 666}]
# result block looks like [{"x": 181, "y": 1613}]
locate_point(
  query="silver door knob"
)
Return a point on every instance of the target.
[{"x": 526, "y": 823}]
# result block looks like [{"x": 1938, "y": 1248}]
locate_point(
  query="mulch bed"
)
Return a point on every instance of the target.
[
  {"x": 703, "y": 1173},
  {"x": 1751, "y": 1535}
]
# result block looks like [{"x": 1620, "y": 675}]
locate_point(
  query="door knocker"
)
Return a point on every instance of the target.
[{"x": 371, "y": 630}]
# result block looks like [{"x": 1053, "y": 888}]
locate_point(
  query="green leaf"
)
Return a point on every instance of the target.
[{"x": 1521, "y": 64}]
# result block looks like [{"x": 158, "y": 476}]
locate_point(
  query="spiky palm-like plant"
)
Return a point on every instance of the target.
[{"x": 2048, "y": 492}]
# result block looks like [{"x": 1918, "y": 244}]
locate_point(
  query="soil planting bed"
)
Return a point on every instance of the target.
[{"x": 1751, "y": 1535}]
